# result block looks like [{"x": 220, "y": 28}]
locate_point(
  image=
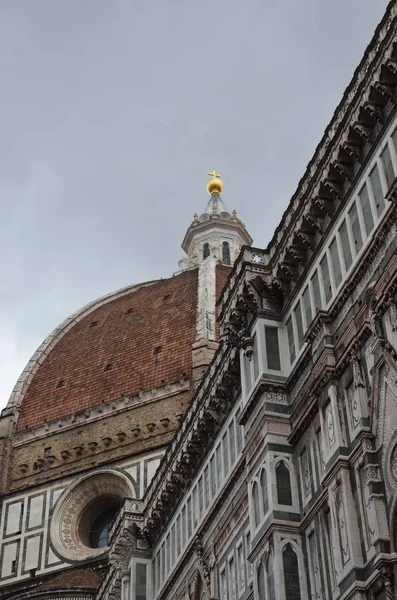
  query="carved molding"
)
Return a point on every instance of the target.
[
  {"x": 77, "y": 506},
  {"x": 355, "y": 127}
]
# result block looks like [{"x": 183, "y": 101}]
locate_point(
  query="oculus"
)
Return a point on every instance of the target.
[{"x": 84, "y": 514}]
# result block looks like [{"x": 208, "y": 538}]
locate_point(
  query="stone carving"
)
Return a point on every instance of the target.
[
  {"x": 393, "y": 314},
  {"x": 77, "y": 506},
  {"x": 257, "y": 257},
  {"x": 355, "y": 392},
  {"x": 204, "y": 570},
  {"x": 387, "y": 576},
  {"x": 330, "y": 426},
  {"x": 357, "y": 375},
  {"x": 343, "y": 539},
  {"x": 376, "y": 325},
  {"x": 276, "y": 397},
  {"x": 370, "y": 510},
  {"x": 306, "y": 473},
  {"x": 354, "y": 406}
]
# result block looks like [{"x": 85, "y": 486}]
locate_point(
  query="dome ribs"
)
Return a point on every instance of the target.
[{"x": 126, "y": 333}]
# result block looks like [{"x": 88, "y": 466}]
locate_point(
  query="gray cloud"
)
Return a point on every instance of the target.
[{"x": 112, "y": 113}]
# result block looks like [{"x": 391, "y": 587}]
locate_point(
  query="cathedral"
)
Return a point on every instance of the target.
[{"x": 230, "y": 432}]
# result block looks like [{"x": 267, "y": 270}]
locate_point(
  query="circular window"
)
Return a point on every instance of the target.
[{"x": 84, "y": 515}]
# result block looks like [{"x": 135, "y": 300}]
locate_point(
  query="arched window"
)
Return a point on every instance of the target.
[
  {"x": 261, "y": 582},
  {"x": 256, "y": 501},
  {"x": 206, "y": 250},
  {"x": 291, "y": 574},
  {"x": 283, "y": 481},
  {"x": 225, "y": 253},
  {"x": 263, "y": 480}
]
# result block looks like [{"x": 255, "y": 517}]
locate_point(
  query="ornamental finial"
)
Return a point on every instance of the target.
[{"x": 215, "y": 185}]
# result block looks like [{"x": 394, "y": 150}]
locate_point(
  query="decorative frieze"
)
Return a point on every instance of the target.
[{"x": 97, "y": 413}]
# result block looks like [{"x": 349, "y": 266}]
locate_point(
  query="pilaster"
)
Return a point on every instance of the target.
[{"x": 205, "y": 344}]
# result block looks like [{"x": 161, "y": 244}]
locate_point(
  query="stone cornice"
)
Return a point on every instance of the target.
[
  {"x": 264, "y": 387},
  {"x": 354, "y": 131},
  {"x": 212, "y": 402},
  {"x": 250, "y": 260},
  {"x": 355, "y": 97},
  {"x": 101, "y": 411},
  {"x": 216, "y": 222},
  {"x": 314, "y": 508},
  {"x": 276, "y": 525}
]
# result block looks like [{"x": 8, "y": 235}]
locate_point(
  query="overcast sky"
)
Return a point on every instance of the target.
[{"x": 113, "y": 112}]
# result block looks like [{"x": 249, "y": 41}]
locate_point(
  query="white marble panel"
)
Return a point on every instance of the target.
[
  {"x": 32, "y": 552},
  {"x": 13, "y": 514},
  {"x": 55, "y": 495},
  {"x": 52, "y": 558},
  {"x": 9, "y": 555},
  {"x": 151, "y": 468},
  {"x": 36, "y": 506},
  {"x": 133, "y": 471}
]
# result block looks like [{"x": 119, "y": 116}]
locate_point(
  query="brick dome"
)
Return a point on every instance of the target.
[{"x": 136, "y": 339}]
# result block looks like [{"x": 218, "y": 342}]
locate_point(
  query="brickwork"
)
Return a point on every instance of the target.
[
  {"x": 5, "y": 446},
  {"x": 222, "y": 273},
  {"x": 139, "y": 341},
  {"x": 85, "y": 577},
  {"x": 116, "y": 436}
]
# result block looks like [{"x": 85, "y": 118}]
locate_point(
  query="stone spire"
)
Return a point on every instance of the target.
[{"x": 216, "y": 232}]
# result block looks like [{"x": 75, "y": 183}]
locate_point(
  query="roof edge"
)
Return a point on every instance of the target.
[{"x": 331, "y": 130}]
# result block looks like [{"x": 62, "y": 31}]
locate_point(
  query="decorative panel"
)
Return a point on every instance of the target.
[
  {"x": 35, "y": 512},
  {"x": 32, "y": 552}
]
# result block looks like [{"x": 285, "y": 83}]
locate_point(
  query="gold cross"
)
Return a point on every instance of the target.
[{"x": 214, "y": 174}]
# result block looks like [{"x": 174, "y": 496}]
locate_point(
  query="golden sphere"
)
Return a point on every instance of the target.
[{"x": 214, "y": 186}]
